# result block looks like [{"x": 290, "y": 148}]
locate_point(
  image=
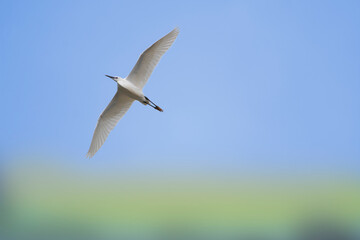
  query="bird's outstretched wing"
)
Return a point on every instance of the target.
[
  {"x": 108, "y": 119},
  {"x": 150, "y": 58}
]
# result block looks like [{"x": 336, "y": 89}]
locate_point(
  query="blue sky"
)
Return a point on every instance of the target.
[{"x": 255, "y": 84}]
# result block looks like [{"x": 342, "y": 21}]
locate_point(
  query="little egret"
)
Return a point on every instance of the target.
[{"x": 129, "y": 89}]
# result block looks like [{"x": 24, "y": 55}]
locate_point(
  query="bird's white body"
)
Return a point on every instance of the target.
[{"x": 129, "y": 90}]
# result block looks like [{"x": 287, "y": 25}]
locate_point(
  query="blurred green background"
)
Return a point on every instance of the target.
[{"x": 43, "y": 198}]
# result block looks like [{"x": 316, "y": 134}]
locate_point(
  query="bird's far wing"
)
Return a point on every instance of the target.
[
  {"x": 150, "y": 58},
  {"x": 108, "y": 119}
]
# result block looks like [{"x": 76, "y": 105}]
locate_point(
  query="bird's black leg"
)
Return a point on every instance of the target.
[{"x": 155, "y": 106}]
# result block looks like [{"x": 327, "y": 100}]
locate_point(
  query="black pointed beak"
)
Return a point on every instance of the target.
[{"x": 110, "y": 77}]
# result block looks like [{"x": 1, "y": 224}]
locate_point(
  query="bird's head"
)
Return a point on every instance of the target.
[{"x": 113, "y": 78}]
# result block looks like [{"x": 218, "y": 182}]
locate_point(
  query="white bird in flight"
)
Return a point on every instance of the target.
[{"x": 129, "y": 89}]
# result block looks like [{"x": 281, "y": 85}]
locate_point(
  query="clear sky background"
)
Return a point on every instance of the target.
[{"x": 247, "y": 84}]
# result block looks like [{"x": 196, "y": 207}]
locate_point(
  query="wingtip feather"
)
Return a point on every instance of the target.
[
  {"x": 176, "y": 30},
  {"x": 89, "y": 154}
]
